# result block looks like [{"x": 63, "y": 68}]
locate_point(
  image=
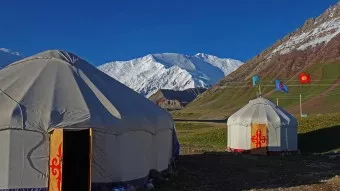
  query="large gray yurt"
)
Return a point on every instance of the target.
[{"x": 64, "y": 123}]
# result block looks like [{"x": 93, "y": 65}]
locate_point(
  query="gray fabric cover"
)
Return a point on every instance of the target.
[{"x": 57, "y": 89}]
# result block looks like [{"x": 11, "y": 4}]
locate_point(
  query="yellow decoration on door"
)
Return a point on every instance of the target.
[
  {"x": 55, "y": 163},
  {"x": 259, "y": 138}
]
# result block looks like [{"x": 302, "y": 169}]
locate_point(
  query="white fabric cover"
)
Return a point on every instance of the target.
[
  {"x": 282, "y": 126},
  {"x": 57, "y": 89}
]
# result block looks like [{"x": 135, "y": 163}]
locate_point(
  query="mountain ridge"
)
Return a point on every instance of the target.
[{"x": 170, "y": 71}]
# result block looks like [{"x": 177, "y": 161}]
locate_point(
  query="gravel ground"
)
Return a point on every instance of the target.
[{"x": 227, "y": 171}]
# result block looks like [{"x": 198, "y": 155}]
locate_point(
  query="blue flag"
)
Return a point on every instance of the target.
[
  {"x": 256, "y": 80},
  {"x": 279, "y": 86}
]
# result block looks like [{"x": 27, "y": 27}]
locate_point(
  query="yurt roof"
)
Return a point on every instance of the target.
[
  {"x": 262, "y": 111},
  {"x": 57, "y": 89}
]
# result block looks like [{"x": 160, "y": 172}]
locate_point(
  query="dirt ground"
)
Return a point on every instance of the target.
[{"x": 232, "y": 172}]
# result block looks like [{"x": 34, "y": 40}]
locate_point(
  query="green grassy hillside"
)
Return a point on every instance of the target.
[{"x": 321, "y": 96}]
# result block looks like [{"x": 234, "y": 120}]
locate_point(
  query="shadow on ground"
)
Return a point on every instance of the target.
[
  {"x": 320, "y": 141},
  {"x": 229, "y": 171}
]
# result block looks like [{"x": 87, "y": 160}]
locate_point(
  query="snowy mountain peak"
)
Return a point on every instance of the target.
[
  {"x": 170, "y": 71},
  {"x": 203, "y": 55}
]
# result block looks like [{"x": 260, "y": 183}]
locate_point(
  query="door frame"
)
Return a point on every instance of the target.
[{"x": 55, "y": 162}]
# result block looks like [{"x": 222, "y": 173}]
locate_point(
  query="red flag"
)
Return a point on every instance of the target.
[{"x": 304, "y": 78}]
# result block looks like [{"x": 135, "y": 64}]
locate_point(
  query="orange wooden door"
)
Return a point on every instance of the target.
[
  {"x": 55, "y": 163},
  {"x": 259, "y": 139}
]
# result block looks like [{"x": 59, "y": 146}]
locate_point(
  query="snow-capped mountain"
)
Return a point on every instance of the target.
[
  {"x": 7, "y": 57},
  {"x": 172, "y": 71},
  {"x": 317, "y": 40},
  {"x": 315, "y": 32}
]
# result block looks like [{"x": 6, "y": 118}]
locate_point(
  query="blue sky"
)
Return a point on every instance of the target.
[{"x": 108, "y": 30}]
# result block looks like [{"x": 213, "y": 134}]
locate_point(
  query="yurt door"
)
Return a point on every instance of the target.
[
  {"x": 70, "y": 160},
  {"x": 56, "y": 155},
  {"x": 259, "y": 139}
]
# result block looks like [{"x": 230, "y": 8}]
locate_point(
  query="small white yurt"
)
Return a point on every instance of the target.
[
  {"x": 65, "y": 125},
  {"x": 261, "y": 127}
]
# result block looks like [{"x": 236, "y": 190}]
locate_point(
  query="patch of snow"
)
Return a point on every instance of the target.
[
  {"x": 331, "y": 14},
  {"x": 173, "y": 71},
  {"x": 321, "y": 34}
]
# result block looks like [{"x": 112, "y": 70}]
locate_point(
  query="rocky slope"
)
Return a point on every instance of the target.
[
  {"x": 175, "y": 100},
  {"x": 313, "y": 48}
]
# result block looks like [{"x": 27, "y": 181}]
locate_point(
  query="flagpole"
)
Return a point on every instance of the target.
[
  {"x": 300, "y": 106},
  {"x": 260, "y": 90},
  {"x": 300, "y": 102}
]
